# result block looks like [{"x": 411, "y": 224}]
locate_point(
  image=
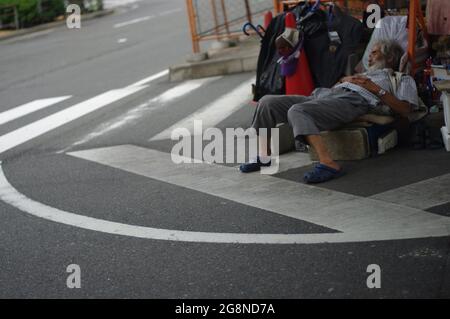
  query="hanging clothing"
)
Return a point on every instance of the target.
[
  {"x": 268, "y": 74},
  {"x": 328, "y": 60},
  {"x": 438, "y": 17},
  {"x": 301, "y": 82}
]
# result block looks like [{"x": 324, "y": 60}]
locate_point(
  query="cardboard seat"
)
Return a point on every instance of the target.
[
  {"x": 350, "y": 142},
  {"x": 344, "y": 144}
]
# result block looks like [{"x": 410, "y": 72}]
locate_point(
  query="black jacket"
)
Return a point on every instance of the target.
[
  {"x": 329, "y": 66},
  {"x": 268, "y": 77}
]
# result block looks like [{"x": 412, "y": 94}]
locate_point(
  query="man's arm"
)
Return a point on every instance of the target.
[
  {"x": 398, "y": 106},
  {"x": 348, "y": 78}
]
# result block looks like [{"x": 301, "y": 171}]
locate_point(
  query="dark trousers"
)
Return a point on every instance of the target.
[{"x": 324, "y": 110}]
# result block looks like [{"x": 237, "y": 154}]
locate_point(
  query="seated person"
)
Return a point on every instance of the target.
[{"x": 327, "y": 109}]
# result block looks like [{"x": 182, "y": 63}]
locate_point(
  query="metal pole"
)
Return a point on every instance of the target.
[
  {"x": 249, "y": 13},
  {"x": 216, "y": 21},
  {"x": 276, "y": 6},
  {"x": 225, "y": 16},
  {"x": 193, "y": 26},
  {"x": 412, "y": 35}
]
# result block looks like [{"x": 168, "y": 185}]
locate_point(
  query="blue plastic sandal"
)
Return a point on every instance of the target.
[
  {"x": 253, "y": 167},
  {"x": 322, "y": 173}
]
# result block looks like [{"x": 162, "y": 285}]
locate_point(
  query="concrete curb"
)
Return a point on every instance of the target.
[
  {"x": 51, "y": 25},
  {"x": 228, "y": 61},
  {"x": 210, "y": 68}
]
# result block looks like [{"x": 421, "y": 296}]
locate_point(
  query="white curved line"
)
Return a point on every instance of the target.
[{"x": 14, "y": 198}]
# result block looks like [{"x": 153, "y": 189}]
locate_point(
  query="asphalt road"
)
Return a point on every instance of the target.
[{"x": 47, "y": 177}]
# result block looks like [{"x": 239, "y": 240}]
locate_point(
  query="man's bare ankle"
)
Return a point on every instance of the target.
[{"x": 331, "y": 164}]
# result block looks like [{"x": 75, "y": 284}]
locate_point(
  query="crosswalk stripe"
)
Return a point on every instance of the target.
[
  {"x": 182, "y": 89},
  {"x": 151, "y": 78},
  {"x": 137, "y": 112},
  {"x": 42, "y": 126},
  {"x": 28, "y": 108},
  {"x": 214, "y": 112},
  {"x": 422, "y": 195},
  {"x": 344, "y": 212}
]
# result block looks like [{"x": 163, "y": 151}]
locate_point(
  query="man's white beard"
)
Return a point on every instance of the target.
[{"x": 378, "y": 65}]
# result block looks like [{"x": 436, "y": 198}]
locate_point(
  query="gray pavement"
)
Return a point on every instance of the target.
[{"x": 42, "y": 230}]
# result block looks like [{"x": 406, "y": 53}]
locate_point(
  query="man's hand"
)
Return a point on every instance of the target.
[
  {"x": 346, "y": 79},
  {"x": 364, "y": 82}
]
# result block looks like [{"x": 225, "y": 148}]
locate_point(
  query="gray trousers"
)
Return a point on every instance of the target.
[{"x": 324, "y": 110}]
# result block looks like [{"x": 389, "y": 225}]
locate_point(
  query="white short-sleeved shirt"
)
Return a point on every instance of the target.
[{"x": 406, "y": 89}]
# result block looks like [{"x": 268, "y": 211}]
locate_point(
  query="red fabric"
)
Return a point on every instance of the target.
[
  {"x": 267, "y": 19},
  {"x": 290, "y": 21},
  {"x": 300, "y": 83}
]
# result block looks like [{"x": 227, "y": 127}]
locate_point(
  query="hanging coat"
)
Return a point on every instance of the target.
[
  {"x": 268, "y": 75},
  {"x": 327, "y": 65}
]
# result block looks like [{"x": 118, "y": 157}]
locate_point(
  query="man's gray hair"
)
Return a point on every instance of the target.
[{"x": 392, "y": 53}]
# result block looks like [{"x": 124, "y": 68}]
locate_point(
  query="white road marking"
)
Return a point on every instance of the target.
[
  {"x": 145, "y": 108},
  {"x": 164, "y": 13},
  {"x": 11, "y": 196},
  {"x": 151, "y": 78},
  {"x": 42, "y": 126},
  {"x": 134, "y": 21},
  {"x": 360, "y": 219},
  {"x": 213, "y": 113},
  {"x": 108, "y": 4},
  {"x": 146, "y": 18},
  {"x": 122, "y": 40},
  {"x": 293, "y": 160},
  {"x": 287, "y": 161},
  {"x": 28, "y": 108},
  {"x": 182, "y": 89},
  {"x": 422, "y": 195}
]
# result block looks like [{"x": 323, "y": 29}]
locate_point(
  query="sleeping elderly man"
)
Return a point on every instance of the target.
[{"x": 327, "y": 109}]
